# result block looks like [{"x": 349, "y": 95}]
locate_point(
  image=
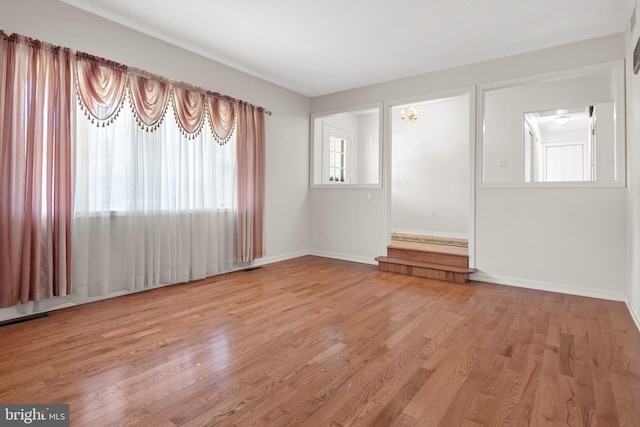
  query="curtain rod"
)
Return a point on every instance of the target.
[
  {"x": 19, "y": 38},
  {"x": 189, "y": 86},
  {"x": 137, "y": 71}
]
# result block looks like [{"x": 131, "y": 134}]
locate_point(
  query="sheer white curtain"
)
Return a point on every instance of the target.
[{"x": 150, "y": 207}]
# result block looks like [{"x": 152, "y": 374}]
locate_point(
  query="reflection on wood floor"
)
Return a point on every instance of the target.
[{"x": 319, "y": 342}]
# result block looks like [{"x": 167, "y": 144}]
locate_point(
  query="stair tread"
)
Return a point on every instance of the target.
[
  {"x": 430, "y": 248},
  {"x": 432, "y": 266}
]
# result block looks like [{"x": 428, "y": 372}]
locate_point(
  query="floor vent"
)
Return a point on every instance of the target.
[
  {"x": 22, "y": 319},
  {"x": 251, "y": 269}
]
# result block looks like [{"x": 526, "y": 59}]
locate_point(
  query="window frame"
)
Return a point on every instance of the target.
[
  {"x": 319, "y": 158},
  {"x": 617, "y": 71}
]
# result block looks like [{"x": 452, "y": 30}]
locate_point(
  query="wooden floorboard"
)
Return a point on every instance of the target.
[{"x": 320, "y": 342}]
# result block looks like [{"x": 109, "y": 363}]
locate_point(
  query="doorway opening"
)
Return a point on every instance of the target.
[
  {"x": 430, "y": 169},
  {"x": 430, "y": 197}
]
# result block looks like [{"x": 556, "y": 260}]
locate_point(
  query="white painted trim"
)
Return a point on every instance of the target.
[
  {"x": 635, "y": 316},
  {"x": 428, "y": 233},
  {"x": 272, "y": 259},
  {"x": 345, "y": 257},
  {"x": 386, "y": 171},
  {"x": 11, "y": 313},
  {"x": 549, "y": 287},
  {"x": 471, "y": 240}
]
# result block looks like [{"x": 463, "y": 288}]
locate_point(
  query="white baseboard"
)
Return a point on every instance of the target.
[
  {"x": 10, "y": 313},
  {"x": 635, "y": 316},
  {"x": 432, "y": 233},
  {"x": 278, "y": 258},
  {"x": 344, "y": 257},
  {"x": 550, "y": 287}
]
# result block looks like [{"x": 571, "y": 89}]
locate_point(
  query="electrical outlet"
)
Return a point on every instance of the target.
[
  {"x": 503, "y": 163},
  {"x": 433, "y": 212}
]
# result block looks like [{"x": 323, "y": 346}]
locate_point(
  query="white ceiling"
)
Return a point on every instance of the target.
[
  {"x": 548, "y": 126},
  {"x": 325, "y": 46}
]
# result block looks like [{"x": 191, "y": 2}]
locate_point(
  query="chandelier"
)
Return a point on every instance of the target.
[{"x": 410, "y": 116}]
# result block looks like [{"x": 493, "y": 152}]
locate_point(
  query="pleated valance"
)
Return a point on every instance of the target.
[
  {"x": 101, "y": 89},
  {"x": 221, "y": 116},
  {"x": 149, "y": 99},
  {"x": 103, "y": 86},
  {"x": 189, "y": 107}
]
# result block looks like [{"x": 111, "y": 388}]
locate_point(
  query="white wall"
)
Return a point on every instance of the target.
[
  {"x": 430, "y": 169},
  {"x": 368, "y": 151},
  {"x": 633, "y": 173},
  {"x": 346, "y": 223},
  {"x": 605, "y": 144},
  {"x": 568, "y": 240},
  {"x": 287, "y": 130}
]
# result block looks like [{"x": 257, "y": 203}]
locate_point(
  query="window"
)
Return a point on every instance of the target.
[
  {"x": 560, "y": 129},
  {"x": 338, "y": 144},
  {"x": 142, "y": 174},
  {"x": 346, "y": 149},
  {"x": 123, "y": 168}
]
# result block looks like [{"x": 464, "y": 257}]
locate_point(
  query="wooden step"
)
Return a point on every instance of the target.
[
  {"x": 427, "y": 270},
  {"x": 432, "y": 254}
]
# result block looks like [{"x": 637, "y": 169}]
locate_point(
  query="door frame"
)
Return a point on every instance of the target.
[{"x": 471, "y": 161}]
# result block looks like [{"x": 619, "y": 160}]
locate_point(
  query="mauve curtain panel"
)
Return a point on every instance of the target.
[
  {"x": 36, "y": 99},
  {"x": 249, "y": 184}
]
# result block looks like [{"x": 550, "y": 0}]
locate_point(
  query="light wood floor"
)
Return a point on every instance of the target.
[{"x": 319, "y": 342}]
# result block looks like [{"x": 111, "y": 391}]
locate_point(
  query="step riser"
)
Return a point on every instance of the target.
[
  {"x": 430, "y": 257},
  {"x": 446, "y": 276}
]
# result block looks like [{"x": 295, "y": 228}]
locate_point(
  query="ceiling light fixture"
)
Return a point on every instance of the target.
[
  {"x": 562, "y": 119},
  {"x": 411, "y": 116}
]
